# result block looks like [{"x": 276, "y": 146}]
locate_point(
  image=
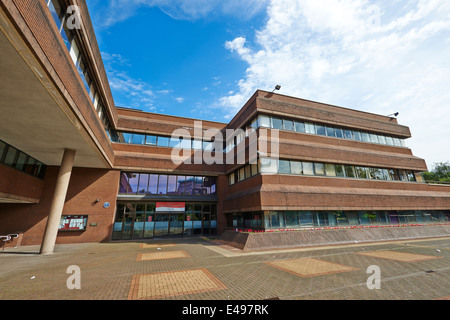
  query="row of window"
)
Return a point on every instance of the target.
[
  {"x": 324, "y": 130},
  {"x": 19, "y": 160},
  {"x": 309, "y": 219},
  {"x": 163, "y": 184},
  {"x": 274, "y": 166},
  {"x": 162, "y": 141},
  {"x": 60, "y": 17}
]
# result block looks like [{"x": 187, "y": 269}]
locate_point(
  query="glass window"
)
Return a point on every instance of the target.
[
  {"x": 291, "y": 219},
  {"x": 248, "y": 172},
  {"x": 153, "y": 184},
  {"x": 394, "y": 175},
  {"x": 231, "y": 179},
  {"x": 150, "y": 140},
  {"x": 198, "y": 186},
  {"x": 264, "y": 121},
  {"x": 143, "y": 183},
  {"x": 348, "y": 134},
  {"x": 339, "y": 133},
  {"x": 310, "y": 128},
  {"x": 208, "y": 145},
  {"x": 74, "y": 52},
  {"x": 403, "y": 142},
  {"x": 277, "y": 123},
  {"x": 357, "y": 136},
  {"x": 389, "y": 141},
  {"x": 299, "y": 126},
  {"x": 185, "y": 143},
  {"x": 319, "y": 169},
  {"x": 365, "y": 137},
  {"x": 241, "y": 173},
  {"x": 308, "y": 168},
  {"x": 373, "y": 138},
  {"x": 321, "y": 130},
  {"x": 306, "y": 218},
  {"x": 172, "y": 185},
  {"x": 180, "y": 184},
  {"x": 174, "y": 142},
  {"x": 2, "y": 149},
  {"x": 30, "y": 167},
  {"x": 397, "y": 142},
  {"x": 340, "y": 170},
  {"x": 162, "y": 184},
  {"x": 197, "y": 144},
  {"x": 330, "y": 170},
  {"x": 127, "y": 137},
  {"x": 361, "y": 172},
  {"x": 254, "y": 169},
  {"x": 350, "y": 171},
  {"x": 411, "y": 176},
  {"x": 269, "y": 165},
  {"x": 10, "y": 156},
  {"x": 331, "y": 132},
  {"x": 288, "y": 124},
  {"x": 284, "y": 166},
  {"x": 163, "y": 142},
  {"x": 138, "y": 138},
  {"x": 382, "y": 139},
  {"x": 133, "y": 179},
  {"x": 296, "y": 167},
  {"x": 21, "y": 161}
]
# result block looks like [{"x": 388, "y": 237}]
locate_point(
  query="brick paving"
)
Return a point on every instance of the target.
[{"x": 201, "y": 269}]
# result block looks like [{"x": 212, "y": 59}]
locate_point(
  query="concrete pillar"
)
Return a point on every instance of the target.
[{"x": 59, "y": 198}]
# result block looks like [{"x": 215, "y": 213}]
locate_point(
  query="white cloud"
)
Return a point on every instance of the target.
[
  {"x": 179, "y": 100},
  {"x": 374, "y": 56},
  {"x": 121, "y": 10}
]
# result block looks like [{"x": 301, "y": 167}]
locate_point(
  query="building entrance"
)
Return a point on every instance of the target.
[{"x": 143, "y": 221}]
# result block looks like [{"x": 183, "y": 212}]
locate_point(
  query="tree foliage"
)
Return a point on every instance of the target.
[{"x": 440, "y": 172}]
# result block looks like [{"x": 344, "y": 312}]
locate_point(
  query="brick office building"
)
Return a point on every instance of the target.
[{"x": 76, "y": 168}]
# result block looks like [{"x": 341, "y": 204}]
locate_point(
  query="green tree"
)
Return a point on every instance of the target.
[{"x": 440, "y": 172}]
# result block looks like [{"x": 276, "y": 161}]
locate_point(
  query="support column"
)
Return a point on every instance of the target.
[{"x": 59, "y": 198}]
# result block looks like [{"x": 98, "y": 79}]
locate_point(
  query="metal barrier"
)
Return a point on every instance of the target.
[{"x": 7, "y": 239}]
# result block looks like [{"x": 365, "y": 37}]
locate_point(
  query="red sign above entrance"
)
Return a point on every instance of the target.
[{"x": 170, "y": 206}]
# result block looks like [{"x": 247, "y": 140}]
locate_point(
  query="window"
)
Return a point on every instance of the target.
[
  {"x": 308, "y": 168},
  {"x": 21, "y": 161},
  {"x": 365, "y": 137},
  {"x": 339, "y": 133},
  {"x": 277, "y": 123},
  {"x": 143, "y": 183},
  {"x": 361, "y": 172},
  {"x": 162, "y": 184},
  {"x": 197, "y": 144},
  {"x": 331, "y": 132},
  {"x": 389, "y": 141},
  {"x": 300, "y": 127},
  {"x": 127, "y": 137},
  {"x": 397, "y": 142},
  {"x": 288, "y": 125},
  {"x": 382, "y": 139},
  {"x": 269, "y": 165},
  {"x": 348, "y": 134},
  {"x": 254, "y": 169},
  {"x": 320, "y": 130},
  {"x": 310, "y": 128},
  {"x": 138, "y": 138},
  {"x": 151, "y": 140},
  {"x": 296, "y": 167},
  {"x": 284, "y": 166},
  {"x": 373, "y": 138},
  {"x": 172, "y": 185},
  {"x": 411, "y": 176},
  {"x": 241, "y": 174},
  {"x": 231, "y": 179},
  {"x": 350, "y": 172},
  {"x": 319, "y": 169},
  {"x": 174, "y": 142},
  {"x": 340, "y": 170},
  {"x": 163, "y": 142},
  {"x": 248, "y": 172},
  {"x": 153, "y": 184},
  {"x": 264, "y": 121},
  {"x": 330, "y": 170},
  {"x": 2, "y": 149},
  {"x": 180, "y": 184},
  {"x": 10, "y": 156},
  {"x": 357, "y": 136}
]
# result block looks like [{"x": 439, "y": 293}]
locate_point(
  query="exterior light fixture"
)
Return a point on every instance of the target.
[
  {"x": 394, "y": 114},
  {"x": 277, "y": 87}
]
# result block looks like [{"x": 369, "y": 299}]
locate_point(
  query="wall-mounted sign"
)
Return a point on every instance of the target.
[
  {"x": 73, "y": 223},
  {"x": 106, "y": 205},
  {"x": 170, "y": 206}
]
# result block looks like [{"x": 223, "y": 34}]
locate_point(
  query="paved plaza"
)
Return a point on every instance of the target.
[{"x": 204, "y": 269}]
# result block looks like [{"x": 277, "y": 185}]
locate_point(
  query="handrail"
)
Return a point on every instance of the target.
[
  {"x": 8, "y": 239},
  {"x": 446, "y": 183}
]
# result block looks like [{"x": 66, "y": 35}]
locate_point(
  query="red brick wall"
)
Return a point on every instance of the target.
[{"x": 86, "y": 185}]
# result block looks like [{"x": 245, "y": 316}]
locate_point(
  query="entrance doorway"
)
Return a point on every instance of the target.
[{"x": 141, "y": 221}]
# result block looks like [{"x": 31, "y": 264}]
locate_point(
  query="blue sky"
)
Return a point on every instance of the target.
[{"x": 205, "y": 58}]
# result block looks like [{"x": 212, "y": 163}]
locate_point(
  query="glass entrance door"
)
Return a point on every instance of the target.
[
  {"x": 176, "y": 224},
  {"x": 127, "y": 227},
  {"x": 161, "y": 225}
]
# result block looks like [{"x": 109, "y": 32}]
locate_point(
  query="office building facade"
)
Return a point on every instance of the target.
[{"x": 75, "y": 168}]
